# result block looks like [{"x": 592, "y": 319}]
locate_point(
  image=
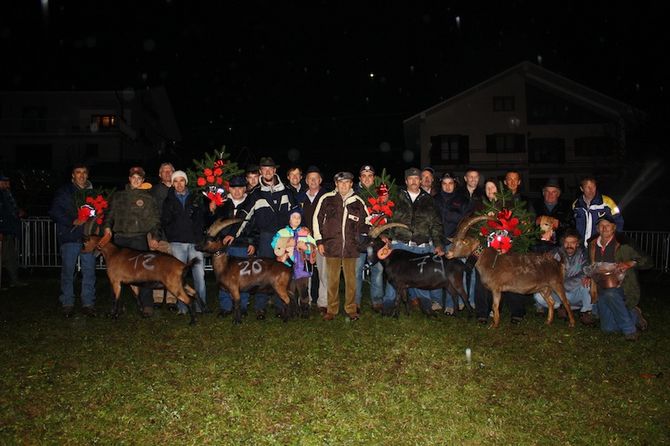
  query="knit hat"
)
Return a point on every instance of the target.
[{"x": 179, "y": 173}]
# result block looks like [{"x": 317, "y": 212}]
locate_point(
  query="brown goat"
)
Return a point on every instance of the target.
[
  {"x": 133, "y": 267},
  {"x": 520, "y": 273},
  {"x": 252, "y": 274}
]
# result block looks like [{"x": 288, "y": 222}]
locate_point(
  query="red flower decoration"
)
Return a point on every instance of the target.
[
  {"x": 84, "y": 213},
  {"x": 201, "y": 181},
  {"x": 501, "y": 243},
  {"x": 207, "y": 172},
  {"x": 210, "y": 178},
  {"x": 218, "y": 172},
  {"x": 219, "y": 181},
  {"x": 217, "y": 198}
]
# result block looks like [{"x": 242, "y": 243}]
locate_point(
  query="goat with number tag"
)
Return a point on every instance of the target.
[
  {"x": 252, "y": 274},
  {"x": 146, "y": 268}
]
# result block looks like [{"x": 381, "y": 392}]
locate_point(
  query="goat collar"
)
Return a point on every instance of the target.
[
  {"x": 220, "y": 252},
  {"x": 478, "y": 252}
]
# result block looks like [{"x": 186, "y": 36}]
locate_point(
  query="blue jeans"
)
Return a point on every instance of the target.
[
  {"x": 424, "y": 295},
  {"x": 376, "y": 280},
  {"x": 578, "y": 298},
  {"x": 614, "y": 315},
  {"x": 68, "y": 254},
  {"x": 469, "y": 288},
  {"x": 186, "y": 252},
  {"x": 225, "y": 299}
]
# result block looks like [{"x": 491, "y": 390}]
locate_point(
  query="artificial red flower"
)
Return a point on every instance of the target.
[
  {"x": 219, "y": 181},
  {"x": 484, "y": 231},
  {"x": 216, "y": 198},
  {"x": 84, "y": 213},
  {"x": 501, "y": 243},
  {"x": 210, "y": 178},
  {"x": 218, "y": 172},
  {"x": 226, "y": 185},
  {"x": 207, "y": 172},
  {"x": 201, "y": 181},
  {"x": 219, "y": 163}
]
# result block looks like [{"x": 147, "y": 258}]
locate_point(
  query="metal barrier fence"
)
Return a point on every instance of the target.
[{"x": 38, "y": 246}]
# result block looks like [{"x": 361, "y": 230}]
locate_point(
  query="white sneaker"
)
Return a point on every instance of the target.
[
  {"x": 436, "y": 306},
  {"x": 449, "y": 311}
]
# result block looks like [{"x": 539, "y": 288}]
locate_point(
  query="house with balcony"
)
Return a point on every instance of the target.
[
  {"x": 529, "y": 119},
  {"x": 109, "y": 130}
]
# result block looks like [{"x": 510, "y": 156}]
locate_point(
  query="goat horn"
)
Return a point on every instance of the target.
[
  {"x": 379, "y": 229},
  {"x": 88, "y": 227},
  {"x": 219, "y": 224},
  {"x": 467, "y": 224}
]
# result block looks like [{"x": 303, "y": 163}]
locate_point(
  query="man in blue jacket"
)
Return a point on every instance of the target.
[
  {"x": 591, "y": 207},
  {"x": 69, "y": 228}
]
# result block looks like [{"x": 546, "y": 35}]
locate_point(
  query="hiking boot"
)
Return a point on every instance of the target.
[
  {"x": 586, "y": 318},
  {"x": 89, "y": 311},
  {"x": 632, "y": 336},
  {"x": 68, "y": 312},
  {"x": 642, "y": 323},
  {"x": 148, "y": 311}
]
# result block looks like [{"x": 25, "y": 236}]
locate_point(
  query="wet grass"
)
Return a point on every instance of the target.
[{"x": 374, "y": 381}]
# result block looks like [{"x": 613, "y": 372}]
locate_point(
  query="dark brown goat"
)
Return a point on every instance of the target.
[
  {"x": 520, "y": 273},
  {"x": 133, "y": 267},
  {"x": 252, "y": 274},
  {"x": 405, "y": 270}
]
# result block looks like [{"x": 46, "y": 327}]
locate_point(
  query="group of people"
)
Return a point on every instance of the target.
[{"x": 327, "y": 225}]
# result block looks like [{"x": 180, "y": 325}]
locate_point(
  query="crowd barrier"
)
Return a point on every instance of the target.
[{"x": 38, "y": 245}]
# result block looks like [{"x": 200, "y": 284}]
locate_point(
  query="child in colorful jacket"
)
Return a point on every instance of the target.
[{"x": 295, "y": 247}]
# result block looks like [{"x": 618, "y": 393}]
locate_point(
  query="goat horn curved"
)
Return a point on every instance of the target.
[
  {"x": 221, "y": 223},
  {"x": 88, "y": 227},
  {"x": 379, "y": 229},
  {"x": 467, "y": 224}
]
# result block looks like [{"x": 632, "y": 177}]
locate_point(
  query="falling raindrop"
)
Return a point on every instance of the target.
[
  {"x": 458, "y": 22},
  {"x": 372, "y": 75},
  {"x": 408, "y": 156},
  {"x": 637, "y": 86},
  {"x": 411, "y": 68},
  {"x": 367, "y": 99},
  {"x": 539, "y": 59}
]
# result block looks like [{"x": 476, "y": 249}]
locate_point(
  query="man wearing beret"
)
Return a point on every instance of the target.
[
  {"x": 339, "y": 220},
  {"x": 424, "y": 235}
]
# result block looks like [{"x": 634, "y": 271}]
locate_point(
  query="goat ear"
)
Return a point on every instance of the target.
[{"x": 384, "y": 252}]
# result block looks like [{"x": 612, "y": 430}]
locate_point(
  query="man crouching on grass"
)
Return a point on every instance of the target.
[{"x": 617, "y": 307}]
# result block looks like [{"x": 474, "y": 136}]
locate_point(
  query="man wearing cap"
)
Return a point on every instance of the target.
[
  {"x": 428, "y": 181},
  {"x": 268, "y": 215},
  {"x": 617, "y": 307},
  {"x": 365, "y": 189},
  {"x": 309, "y": 199},
  {"x": 182, "y": 220},
  {"x": 238, "y": 204},
  {"x": 339, "y": 219},
  {"x": 552, "y": 205},
  {"x": 132, "y": 216},
  {"x": 591, "y": 206},
  {"x": 70, "y": 231},
  {"x": 416, "y": 209}
]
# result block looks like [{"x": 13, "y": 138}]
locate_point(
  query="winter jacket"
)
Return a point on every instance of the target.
[
  {"x": 451, "y": 208},
  {"x": 624, "y": 250},
  {"x": 338, "y": 223},
  {"x": 574, "y": 267},
  {"x": 133, "y": 212},
  {"x": 586, "y": 217},
  {"x": 182, "y": 223},
  {"x": 473, "y": 201},
  {"x": 228, "y": 210},
  {"x": 308, "y": 207},
  {"x": 160, "y": 193},
  {"x": 64, "y": 211},
  {"x": 270, "y": 210},
  {"x": 425, "y": 224}
]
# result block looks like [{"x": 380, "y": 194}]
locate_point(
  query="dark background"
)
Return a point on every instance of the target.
[{"x": 325, "y": 82}]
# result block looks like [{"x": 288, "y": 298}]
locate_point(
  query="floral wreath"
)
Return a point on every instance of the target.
[{"x": 380, "y": 206}]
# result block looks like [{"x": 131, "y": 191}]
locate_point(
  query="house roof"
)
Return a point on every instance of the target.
[{"x": 548, "y": 80}]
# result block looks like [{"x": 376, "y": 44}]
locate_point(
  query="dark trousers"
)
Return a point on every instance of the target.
[
  {"x": 515, "y": 302},
  {"x": 483, "y": 298},
  {"x": 140, "y": 243}
]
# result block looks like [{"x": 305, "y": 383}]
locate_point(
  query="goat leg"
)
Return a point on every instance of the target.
[
  {"x": 560, "y": 290},
  {"x": 237, "y": 313},
  {"x": 546, "y": 295},
  {"x": 116, "y": 295},
  {"x": 496, "y": 308}
]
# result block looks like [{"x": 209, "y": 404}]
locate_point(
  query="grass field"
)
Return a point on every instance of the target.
[{"x": 373, "y": 381}]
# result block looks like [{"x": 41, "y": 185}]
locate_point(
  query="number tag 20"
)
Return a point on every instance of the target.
[{"x": 247, "y": 268}]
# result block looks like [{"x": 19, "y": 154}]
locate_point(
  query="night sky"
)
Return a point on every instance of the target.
[{"x": 301, "y": 80}]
